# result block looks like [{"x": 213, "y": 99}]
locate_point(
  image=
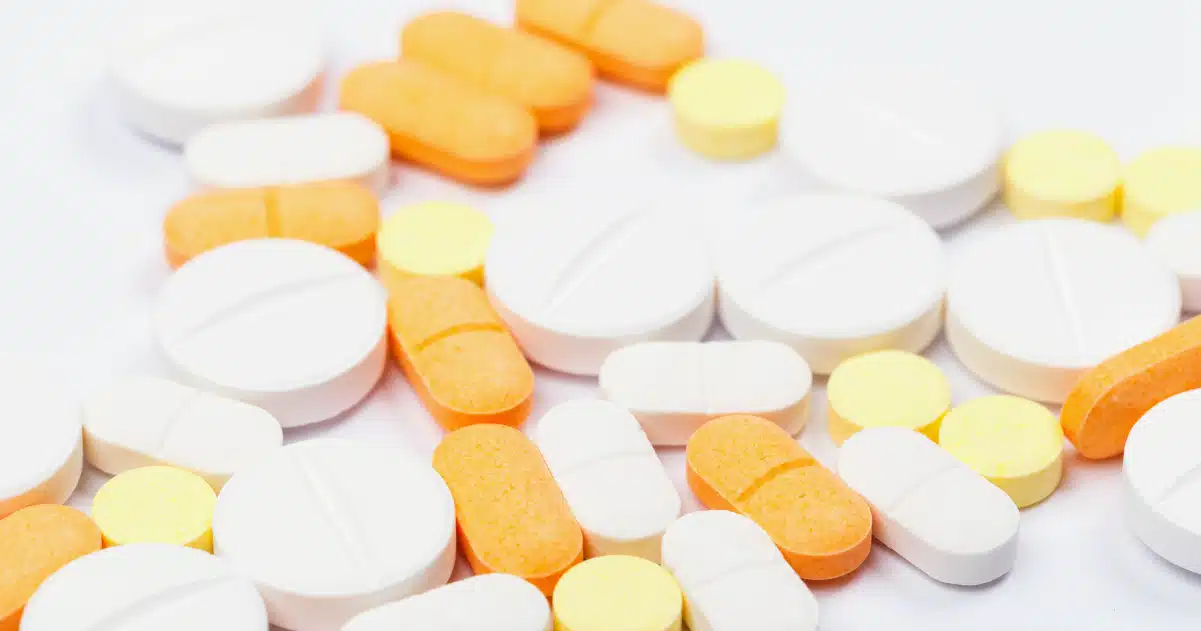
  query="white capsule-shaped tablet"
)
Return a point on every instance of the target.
[
  {"x": 328, "y": 529},
  {"x": 293, "y": 327},
  {"x": 145, "y": 586},
  {"x": 612, "y": 479},
  {"x": 144, "y": 421},
  {"x": 491, "y": 602},
  {"x": 734, "y": 577},
  {"x": 41, "y": 439},
  {"x": 1174, "y": 241},
  {"x": 929, "y": 507},
  {"x": 673, "y": 388}
]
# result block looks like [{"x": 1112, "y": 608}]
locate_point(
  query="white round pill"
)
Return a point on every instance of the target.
[
  {"x": 497, "y": 602},
  {"x": 1176, "y": 241},
  {"x": 41, "y": 439}
]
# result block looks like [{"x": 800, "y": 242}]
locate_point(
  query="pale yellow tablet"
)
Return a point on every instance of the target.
[
  {"x": 886, "y": 389},
  {"x": 727, "y": 109},
  {"x": 617, "y": 592},
  {"x": 1062, "y": 173},
  {"x": 156, "y": 505},
  {"x": 1161, "y": 182},
  {"x": 434, "y": 239}
]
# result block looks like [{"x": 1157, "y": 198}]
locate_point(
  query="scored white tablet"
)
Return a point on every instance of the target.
[
  {"x": 492, "y": 602},
  {"x": 41, "y": 438},
  {"x": 1173, "y": 241}
]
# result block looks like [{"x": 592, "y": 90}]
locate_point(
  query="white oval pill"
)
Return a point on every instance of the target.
[
  {"x": 495, "y": 602},
  {"x": 673, "y": 388},
  {"x": 293, "y": 327},
  {"x": 928, "y": 507},
  {"x": 41, "y": 439},
  {"x": 833, "y": 276},
  {"x": 328, "y": 529},
  {"x": 1174, "y": 241},
  {"x": 144, "y": 421},
  {"x": 144, "y": 586},
  {"x": 733, "y": 577},
  {"x": 1032, "y": 305}
]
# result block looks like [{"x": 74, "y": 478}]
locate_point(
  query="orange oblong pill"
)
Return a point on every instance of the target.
[
  {"x": 554, "y": 82},
  {"x": 750, "y": 465},
  {"x": 511, "y": 514},
  {"x": 34, "y": 543},
  {"x": 457, "y": 354},
  {"x": 442, "y": 122}
]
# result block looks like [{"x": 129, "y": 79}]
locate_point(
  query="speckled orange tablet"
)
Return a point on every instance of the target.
[
  {"x": 34, "y": 543},
  {"x": 340, "y": 215},
  {"x": 750, "y": 465},
  {"x": 1109, "y": 398},
  {"x": 457, "y": 354},
  {"x": 553, "y": 81},
  {"x": 512, "y": 516},
  {"x": 442, "y": 122},
  {"x": 638, "y": 42}
]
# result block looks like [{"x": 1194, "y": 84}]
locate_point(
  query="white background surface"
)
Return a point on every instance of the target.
[{"x": 83, "y": 197}]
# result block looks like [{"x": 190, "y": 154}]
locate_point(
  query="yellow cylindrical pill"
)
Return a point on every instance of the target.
[
  {"x": 1062, "y": 173},
  {"x": 1014, "y": 442},
  {"x": 156, "y": 505},
  {"x": 434, "y": 239},
  {"x": 728, "y": 109},
  {"x": 886, "y": 389},
  {"x": 1161, "y": 182},
  {"x": 617, "y": 592}
]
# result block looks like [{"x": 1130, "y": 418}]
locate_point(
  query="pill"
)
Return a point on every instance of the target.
[
  {"x": 918, "y": 138},
  {"x": 146, "y": 586},
  {"x": 443, "y": 123},
  {"x": 750, "y": 465},
  {"x": 733, "y": 577},
  {"x": 290, "y": 150},
  {"x": 501, "y": 485},
  {"x": 34, "y": 543},
  {"x": 289, "y": 326},
  {"x": 144, "y": 421},
  {"x": 457, "y": 355},
  {"x": 339, "y": 215},
  {"x": 328, "y": 529},
  {"x": 1032, "y": 305},
  {"x": 832, "y": 276},
  {"x": 41, "y": 439},
  {"x": 156, "y": 504},
  {"x": 1173, "y": 241},
  {"x": 614, "y": 483},
  {"x": 673, "y": 388},
  {"x": 617, "y": 592},
  {"x": 726, "y": 108},
  {"x": 554, "y": 82},
  {"x": 434, "y": 239},
  {"x": 637, "y": 42},
  {"x": 1111, "y": 396},
  {"x": 573, "y": 287},
  {"x": 1062, "y": 173},
  {"x": 928, "y": 507},
  {"x": 1015, "y": 443},
  {"x": 1159, "y": 183},
  {"x": 886, "y": 389},
  {"x": 488, "y": 601},
  {"x": 179, "y": 66}
]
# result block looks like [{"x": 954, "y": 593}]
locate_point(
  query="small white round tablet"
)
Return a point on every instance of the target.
[
  {"x": 833, "y": 276},
  {"x": 916, "y": 137},
  {"x": 495, "y": 602},
  {"x": 328, "y": 529},
  {"x": 293, "y": 327},
  {"x": 1176, "y": 241},
  {"x": 145, "y": 586},
  {"x": 41, "y": 439},
  {"x": 1034, "y": 304}
]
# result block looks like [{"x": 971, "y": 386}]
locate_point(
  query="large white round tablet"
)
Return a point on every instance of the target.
[
  {"x": 41, "y": 439},
  {"x": 495, "y": 602},
  {"x": 1176, "y": 241},
  {"x": 918, "y": 138},
  {"x": 328, "y": 529},
  {"x": 293, "y": 327},
  {"x": 831, "y": 275},
  {"x": 1034, "y": 304},
  {"x": 146, "y": 587}
]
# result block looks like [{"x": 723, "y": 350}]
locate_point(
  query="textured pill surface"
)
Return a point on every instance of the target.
[
  {"x": 1062, "y": 173},
  {"x": 156, "y": 505},
  {"x": 1159, "y": 183},
  {"x": 886, "y": 389},
  {"x": 500, "y": 602},
  {"x": 34, "y": 543},
  {"x": 434, "y": 239},
  {"x": 1173, "y": 241},
  {"x": 41, "y": 439},
  {"x": 618, "y": 592},
  {"x": 726, "y": 108}
]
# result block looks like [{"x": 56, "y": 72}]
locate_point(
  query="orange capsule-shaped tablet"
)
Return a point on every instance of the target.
[
  {"x": 443, "y": 123},
  {"x": 512, "y": 516},
  {"x": 749, "y": 465},
  {"x": 554, "y": 82},
  {"x": 337, "y": 214},
  {"x": 637, "y": 42},
  {"x": 34, "y": 543}
]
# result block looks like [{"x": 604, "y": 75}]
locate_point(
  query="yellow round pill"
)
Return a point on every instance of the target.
[
  {"x": 886, "y": 389},
  {"x": 617, "y": 593},
  {"x": 434, "y": 239},
  {"x": 1062, "y": 173},
  {"x": 1161, "y": 182},
  {"x": 156, "y": 505},
  {"x": 726, "y": 108},
  {"x": 1014, "y": 442}
]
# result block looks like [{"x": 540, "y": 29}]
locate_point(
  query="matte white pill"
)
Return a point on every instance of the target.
[
  {"x": 930, "y": 508},
  {"x": 491, "y": 602},
  {"x": 41, "y": 439},
  {"x": 673, "y": 388},
  {"x": 293, "y": 327},
  {"x": 1174, "y": 241},
  {"x": 328, "y": 529}
]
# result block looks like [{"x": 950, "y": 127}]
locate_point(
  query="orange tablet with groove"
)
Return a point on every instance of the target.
[
  {"x": 749, "y": 465},
  {"x": 34, "y": 543}
]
